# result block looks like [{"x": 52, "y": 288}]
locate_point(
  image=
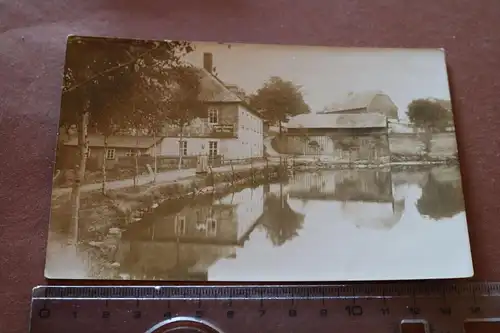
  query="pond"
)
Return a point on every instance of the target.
[{"x": 326, "y": 225}]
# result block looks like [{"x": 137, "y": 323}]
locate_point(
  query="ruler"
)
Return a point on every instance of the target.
[{"x": 359, "y": 308}]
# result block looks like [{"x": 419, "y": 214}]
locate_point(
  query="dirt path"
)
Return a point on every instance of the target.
[{"x": 162, "y": 177}]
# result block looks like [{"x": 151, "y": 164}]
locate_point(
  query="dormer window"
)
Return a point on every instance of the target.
[{"x": 213, "y": 116}]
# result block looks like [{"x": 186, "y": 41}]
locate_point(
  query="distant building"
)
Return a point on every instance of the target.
[
  {"x": 117, "y": 147},
  {"x": 366, "y": 102},
  {"x": 341, "y": 137},
  {"x": 231, "y": 128}
]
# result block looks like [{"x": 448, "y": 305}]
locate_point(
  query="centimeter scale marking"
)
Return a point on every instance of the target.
[{"x": 432, "y": 307}]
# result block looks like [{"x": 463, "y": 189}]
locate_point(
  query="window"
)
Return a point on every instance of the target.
[
  {"x": 213, "y": 116},
  {"x": 130, "y": 153},
  {"x": 212, "y": 148},
  {"x": 211, "y": 226},
  {"x": 180, "y": 225},
  {"x": 183, "y": 147},
  {"x": 110, "y": 153}
]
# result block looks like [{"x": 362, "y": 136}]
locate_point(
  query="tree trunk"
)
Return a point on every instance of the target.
[
  {"x": 136, "y": 157},
  {"x": 427, "y": 137},
  {"x": 83, "y": 146},
  {"x": 282, "y": 196},
  {"x": 232, "y": 172},
  {"x": 180, "y": 146},
  {"x": 155, "y": 156},
  {"x": 251, "y": 165},
  {"x": 281, "y": 130},
  {"x": 104, "y": 164}
]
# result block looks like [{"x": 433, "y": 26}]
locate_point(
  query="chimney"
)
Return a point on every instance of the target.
[
  {"x": 208, "y": 62},
  {"x": 232, "y": 88}
]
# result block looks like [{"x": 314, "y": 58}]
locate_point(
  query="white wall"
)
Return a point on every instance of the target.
[
  {"x": 250, "y": 141},
  {"x": 231, "y": 149},
  {"x": 250, "y": 135},
  {"x": 250, "y": 207},
  {"x": 170, "y": 146}
]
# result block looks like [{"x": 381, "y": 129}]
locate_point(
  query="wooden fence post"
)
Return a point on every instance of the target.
[
  {"x": 267, "y": 168},
  {"x": 232, "y": 172},
  {"x": 251, "y": 167},
  {"x": 212, "y": 174}
]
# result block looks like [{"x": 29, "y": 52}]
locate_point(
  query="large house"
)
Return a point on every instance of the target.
[{"x": 231, "y": 128}]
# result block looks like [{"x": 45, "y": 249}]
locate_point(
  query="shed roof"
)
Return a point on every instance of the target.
[
  {"x": 312, "y": 120},
  {"x": 117, "y": 141},
  {"x": 354, "y": 101}
]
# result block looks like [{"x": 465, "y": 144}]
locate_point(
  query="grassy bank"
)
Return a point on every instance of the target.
[
  {"x": 120, "y": 207},
  {"x": 133, "y": 203}
]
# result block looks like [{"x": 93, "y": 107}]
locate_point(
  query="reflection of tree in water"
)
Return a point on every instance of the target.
[
  {"x": 279, "y": 220},
  {"x": 440, "y": 199},
  {"x": 363, "y": 185}
]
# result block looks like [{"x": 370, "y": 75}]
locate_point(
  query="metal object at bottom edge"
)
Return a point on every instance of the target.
[{"x": 375, "y": 308}]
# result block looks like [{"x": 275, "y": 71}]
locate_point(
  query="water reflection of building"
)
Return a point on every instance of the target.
[
  {"x": 182, "y": 240},
  {"x": 366, "y": 197},
  {"x": 343, "y": 185}
]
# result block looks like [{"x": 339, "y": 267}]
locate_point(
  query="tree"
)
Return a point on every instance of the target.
[
  {"x": 441, "y": 199},
  {"x": 278, "y": 100},
  {"x": 107, "y": 123},
  {"x": 183, "y": 104},
  {"x": 430, "y": 116},
  {"x": 279, "y": 220},
  {"x": 98, "y": 70}
]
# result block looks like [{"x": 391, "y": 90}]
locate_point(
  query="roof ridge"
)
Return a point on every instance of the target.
[
  {"x": 231, "y": 94},
  {"x": 220, "y": 82}
]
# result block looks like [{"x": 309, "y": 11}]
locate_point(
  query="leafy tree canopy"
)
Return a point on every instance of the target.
[
  {"x": 183, "y": 104},
  {"x": 279, "y": 99},
  {"x": 440, "y": 200},
  {"x": 119, "y": 83},
  {"x": 429, "y": 114},
  {"x": 279, "y": 220}
]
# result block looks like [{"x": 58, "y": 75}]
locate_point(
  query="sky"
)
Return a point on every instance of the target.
[{"x": 328, "y": 74}]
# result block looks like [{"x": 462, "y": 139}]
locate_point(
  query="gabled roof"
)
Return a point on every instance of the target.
[
  {"x": 332, "y": 120},
  {"x": 214, "y": 90},
  {"x": 117, "y": 141},
  {"x": 354, "y": 101}
]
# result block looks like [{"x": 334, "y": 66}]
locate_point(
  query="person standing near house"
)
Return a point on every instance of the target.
[{"x": 202, "y": 161}]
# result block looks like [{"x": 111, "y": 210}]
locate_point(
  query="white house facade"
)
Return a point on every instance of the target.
[{"x": 231, "y": 129}]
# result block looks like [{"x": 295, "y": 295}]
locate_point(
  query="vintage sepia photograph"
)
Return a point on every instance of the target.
[{"x": 199, "y": 161}]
